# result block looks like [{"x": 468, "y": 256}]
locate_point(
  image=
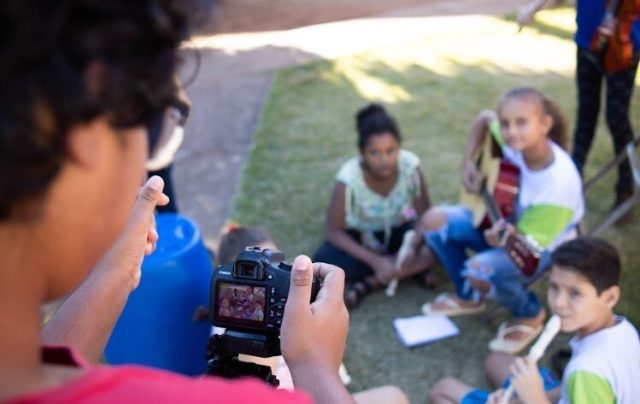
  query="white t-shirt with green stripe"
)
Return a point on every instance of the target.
[
  {"x": 604, "y": 367},
  {"x": 550, "y": 201}
]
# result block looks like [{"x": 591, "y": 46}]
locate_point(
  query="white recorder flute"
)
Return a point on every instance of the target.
[
  {"x": 404, "y": 250},
  {"x": 390, "y": 291},
  {"x": 537, "y": 350}
]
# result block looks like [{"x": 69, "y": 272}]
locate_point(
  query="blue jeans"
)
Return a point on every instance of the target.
[{"x": 508, "y": 286}]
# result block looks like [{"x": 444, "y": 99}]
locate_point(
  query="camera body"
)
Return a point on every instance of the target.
[{"x": 248, "y": 298}]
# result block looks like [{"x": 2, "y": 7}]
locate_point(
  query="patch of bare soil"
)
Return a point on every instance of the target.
[{"x": 232, "y": 16}]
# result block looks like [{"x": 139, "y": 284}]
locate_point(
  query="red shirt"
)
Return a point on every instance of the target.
[{"x": 127, "y": 384}]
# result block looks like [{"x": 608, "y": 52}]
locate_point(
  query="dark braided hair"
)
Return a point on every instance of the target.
[{"x": 68, "y": 62}]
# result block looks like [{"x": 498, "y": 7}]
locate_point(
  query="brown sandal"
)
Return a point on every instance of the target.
[{"x": 355, "y": 292}]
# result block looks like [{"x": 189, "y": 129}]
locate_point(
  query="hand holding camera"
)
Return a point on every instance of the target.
[
  {"x": 258, "y": 296},
  {"x": 315, "y": 334}
]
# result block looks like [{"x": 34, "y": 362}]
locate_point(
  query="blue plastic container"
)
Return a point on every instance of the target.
[{"x": 156, "y": 327}]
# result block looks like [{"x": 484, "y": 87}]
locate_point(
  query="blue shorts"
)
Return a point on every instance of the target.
[{"x": 479, "y": 396}]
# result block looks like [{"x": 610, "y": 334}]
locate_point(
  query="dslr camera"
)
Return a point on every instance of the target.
[{"x": 248, "y": 299}]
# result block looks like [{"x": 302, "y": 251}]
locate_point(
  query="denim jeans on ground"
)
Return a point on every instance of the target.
[{"x": 451, "y": 243}]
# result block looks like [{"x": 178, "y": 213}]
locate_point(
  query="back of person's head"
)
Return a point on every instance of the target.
[
  {"x": 374, "y": 120},
  {"x": 558, "y": 131},
  {"x": 236, "y": 239},
  {"x": 593, "y": 258},
  {"x": 66, "y": 63}
]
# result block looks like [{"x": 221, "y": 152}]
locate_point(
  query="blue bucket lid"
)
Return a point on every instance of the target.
[{"x": 177, "y": 235}]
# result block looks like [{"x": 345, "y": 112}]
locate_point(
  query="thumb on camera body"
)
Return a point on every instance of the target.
[
  {"x": 300, "y": 284},
  {"x": 314, "y": 333},
  {"x": 298, "y": 317}
]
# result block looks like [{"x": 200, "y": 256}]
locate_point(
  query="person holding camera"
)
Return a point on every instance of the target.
[
  {"x": 80, "y": 80},
  {"x": 233, "y": 242}
]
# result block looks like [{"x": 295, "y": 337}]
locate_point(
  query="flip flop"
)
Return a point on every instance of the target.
[
  {"x": 512, "y": 346},
  {"x": 453, "y": 308}
]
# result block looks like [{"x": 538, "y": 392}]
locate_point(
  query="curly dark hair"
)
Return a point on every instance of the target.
[{"x": 66, "y": 62}]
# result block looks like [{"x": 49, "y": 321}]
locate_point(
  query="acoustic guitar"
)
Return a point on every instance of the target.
[
  {"x": 501, "y": 181},
  {"x": 496, "y": 201}
]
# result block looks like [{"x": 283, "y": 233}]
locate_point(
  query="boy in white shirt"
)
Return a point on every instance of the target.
[{"x": 605, "y": 361}]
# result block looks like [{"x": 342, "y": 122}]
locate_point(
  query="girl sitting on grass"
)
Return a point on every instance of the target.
[{"x": 374, "y": 203}]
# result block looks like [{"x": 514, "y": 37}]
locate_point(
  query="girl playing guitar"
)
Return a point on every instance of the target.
[{"x": 529, "y": 130}]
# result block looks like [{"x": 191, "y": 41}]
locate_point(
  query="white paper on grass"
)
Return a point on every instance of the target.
[{"x": 424, "y": 329}]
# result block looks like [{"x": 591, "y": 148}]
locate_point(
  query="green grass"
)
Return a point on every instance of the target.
[{"x": 434, "y": 86}]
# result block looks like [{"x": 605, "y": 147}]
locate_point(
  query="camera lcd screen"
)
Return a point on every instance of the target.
[{"x": 241, "y": 304}]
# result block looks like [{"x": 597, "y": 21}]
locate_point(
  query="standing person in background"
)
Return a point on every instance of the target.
[
  {"x": 597, "y": 25},
  {"x": 376, "y": 198}
]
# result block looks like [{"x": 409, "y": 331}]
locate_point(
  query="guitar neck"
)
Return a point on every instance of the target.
[{"x": 493, "y": 212}]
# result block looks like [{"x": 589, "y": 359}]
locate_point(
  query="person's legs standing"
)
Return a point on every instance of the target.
[
  {"x": 589, "y": 84},
  {"x": 619, "y": 91}
]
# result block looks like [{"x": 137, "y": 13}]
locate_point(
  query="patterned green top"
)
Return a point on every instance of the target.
[{"x": 368, "y": 211}]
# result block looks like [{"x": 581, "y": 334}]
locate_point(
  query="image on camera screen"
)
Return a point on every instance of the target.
[{"x": 242, "y": 304}]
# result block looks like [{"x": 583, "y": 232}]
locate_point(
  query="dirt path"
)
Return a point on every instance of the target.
[
  {"x": 236, "y": 66},
  {"x": 232, "y": 16}
]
